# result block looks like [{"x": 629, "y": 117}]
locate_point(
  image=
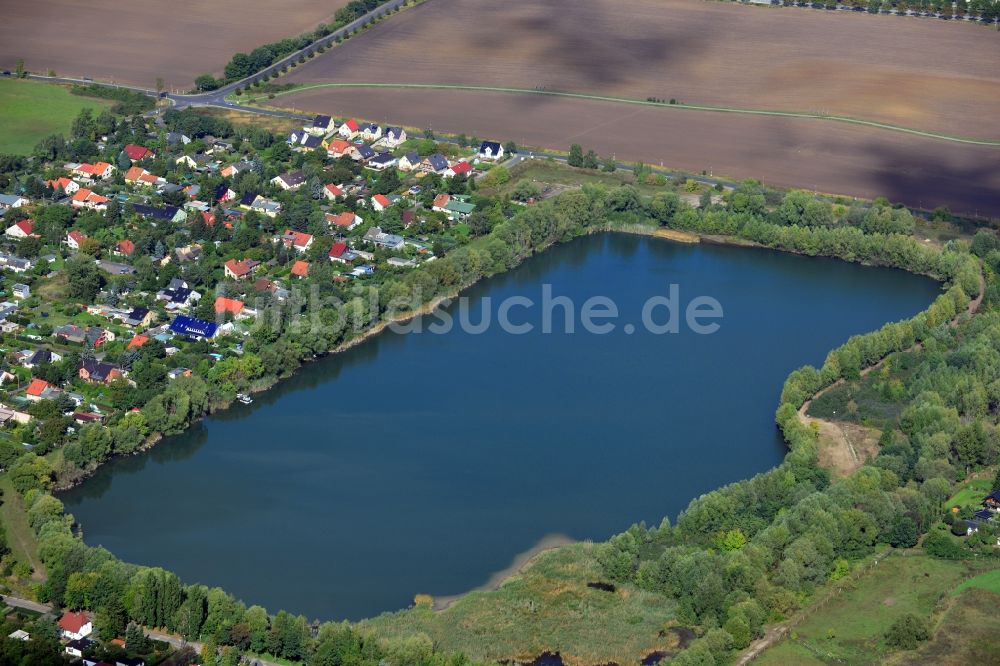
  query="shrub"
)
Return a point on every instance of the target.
[{"x": 906, "y": 632}]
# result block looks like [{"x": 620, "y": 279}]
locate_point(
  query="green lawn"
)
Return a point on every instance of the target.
[
  {"x": 989, "y": 581},
  {"x": 850, "y": 628},
  {"x": 20, "y": 538},
  {"x": 971, "y": 493},
  {"x": 30, "y": 110}
]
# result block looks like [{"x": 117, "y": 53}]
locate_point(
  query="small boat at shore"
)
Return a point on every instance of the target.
[{"x": 244, "y": 398}]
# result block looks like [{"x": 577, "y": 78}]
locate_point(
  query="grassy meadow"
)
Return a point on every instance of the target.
[{"x": 32, "y": 110}]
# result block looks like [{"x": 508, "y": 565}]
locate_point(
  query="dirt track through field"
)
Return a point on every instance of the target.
[
  {"x": 792, "y": 152},
  {"x": 136, "y": 42},
  {"x": 918, "y": 73}
]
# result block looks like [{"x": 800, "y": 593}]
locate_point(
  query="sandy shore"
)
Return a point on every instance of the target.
[{"x": 517, "y": 565}]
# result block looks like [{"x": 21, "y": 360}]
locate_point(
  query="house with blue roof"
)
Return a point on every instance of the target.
[{"x": 190, "y": 327}]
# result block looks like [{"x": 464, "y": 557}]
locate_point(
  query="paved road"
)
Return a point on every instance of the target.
[{"x": 27, "y": 604}]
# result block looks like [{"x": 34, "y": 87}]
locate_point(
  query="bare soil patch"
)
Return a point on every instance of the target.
[
  {"x": 927, "y": 74},
  {"x": 136, "y": 42},
  {"x": 791, "y": 152}
]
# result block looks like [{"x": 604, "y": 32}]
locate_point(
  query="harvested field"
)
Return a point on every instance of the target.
[
  {"x": 137, "y": 42},
  {"x": 793, "y": 152},
  {"x": 698, "y": 52}
]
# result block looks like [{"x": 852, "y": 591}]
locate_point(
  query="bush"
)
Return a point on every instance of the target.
[{"x": 907, "y": 632}]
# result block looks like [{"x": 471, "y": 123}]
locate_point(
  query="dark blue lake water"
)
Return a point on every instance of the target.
[{"x": 423, "y": 463}]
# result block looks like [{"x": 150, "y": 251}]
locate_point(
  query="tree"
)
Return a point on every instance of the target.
[
  {"x": 609, "y": 165},
  {"x": 575, "y": 158},
  {"x": 84, "y": 278},
  {"x": 907, "y": 632},
  {"x": 19, "y": 70},
  {"x": 510, "y": 148},
  {"x": 904, "y": 533},
  {"x": 135, "y": 639}
]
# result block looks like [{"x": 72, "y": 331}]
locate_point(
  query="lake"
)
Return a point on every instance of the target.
[{"x": 422, "y": 463}]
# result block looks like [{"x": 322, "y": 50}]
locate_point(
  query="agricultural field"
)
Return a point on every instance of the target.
[
  {"x": 32, "y": 111},
  {"x": 793, "y": 152},
  {"x": 174, "y": 40},
  {"x": 696, "y": 52}
]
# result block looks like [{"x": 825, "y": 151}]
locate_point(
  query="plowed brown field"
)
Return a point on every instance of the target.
[
  {"x": 136, "y": 42},
  {"x": 794, "y": 152},
  {"x": 915, "y": 72}
]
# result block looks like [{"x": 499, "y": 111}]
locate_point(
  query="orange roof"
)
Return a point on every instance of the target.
[
  {"x": 231, "y": 305},
  {"x": 36, "y": 387},
  {"x": 73, "y": 622},
  {"x": 334, "y": 190},
  {"x": 441, "y": 200},
  {"x": 240, "y": 268},
  {"x": 300, "y": 269},
  {"x": 137, "y": 341},
  {"x": 338, "y": 146},
  {"x": 81, "y": 194},
  {"x": 298, "y": 238},
  {"x": 382, "y": 200},
  {"x": 345, "y": 219},
  {"x": 134, "y": 173},
  {"x": 59, "y": 182}
]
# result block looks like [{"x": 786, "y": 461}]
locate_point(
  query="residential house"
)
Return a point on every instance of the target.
[
  {"x": 41, "y": 357},
  {"x": 164, "y": 214},
  {"x": 231, "y": 170},
  {"x": 21, "y": 229},
  {"x": 228, "y": 305},
  {"x": 458, "y": 168},
  {"x": 125, "y": 248},
  {"x": 378, "y": 237},
  {"x": 138, "y": 176},
  {"x": 39, "y": 389},
  {"x": 345, "y": 221},
  {"x": 291, "y": 180},
  {"x": 178, "y": 297},
  {"x": 332, "y": 191},
  {"x": 400, "y": 262},
  {"x": 19, "y": 635},
  {"x": 174, "y": 138},
  {"x": 300, "y": 269},
  {"x": 139, "y": 317},
  {"x": 490, "y": 150},
  {"x": 459, "y": 207},
  {"x": 198, "y": 162},
  {"x": 136, "y": 153},
  {"x": 364, "y": 153},
  {"x": 992, "y": 501},
  {"x": 409, "y": 162},
  {"x": 394, "y": 136},
  {"x": 440, "y": 201},
  {"x": 76, "y": 647},
  {"x": 65, "y": 184},
  {"x": 178, "y": 372},
  {"x": 349, "y": 129},
  {"x": 320, "y": 125},
  {"x": 382, "y": 161},
  {"x": 197, "y": 329},
  {"x": 436, "y": 163},
  {"x": 20, "y": 291},
  {"x": 84, "y": 198},
  {"x": 14, "y": 263},
  {"x": 265, "y": 206},
  {"x": 337, "y": 148},
  {"x": 188, "y": 252},
  {"x": 70, "y": 333},
  {"x": 370, "y": 132},
  {"x": 12, "y": 201},
  {"x": 94, "y": 372},
  {"x": 340, "y": 254},
  {"x": 98, "y": 171},
  {"x": 240, "y": 270},
  {"x": 295, "y": 239},
  {"x": 137, "y": 341},
  {"x": 75, "y": 239},
  {"x": 224, "y": 193},
  {"x": 97, "y": 336},
  {"x": 380, "y": 202},
  {"x": 74, "y": 625}
]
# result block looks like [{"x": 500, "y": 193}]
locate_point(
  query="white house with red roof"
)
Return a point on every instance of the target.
[
  {"x": 346, "y": 220},
  {"x": 332, "y": 191},
  {"x": 340, "y": 254},
  {"x": 65, "y": 184},
  {"x": 295, "y": 239},
  {"x": 98, "y": 171},
  {"x": 85, "y": 198},
  {"x": 458, "y": 168},
  {"x": 349, "y": 129},
  {"x": 240, "y": 270},
  {"x": 75, "y": 239},
  {"x": 21, "y": 229},
  {"x": 136, "y": 153},
  {"x": 380, "y": 202},
  {"x": 74, "y": 625}
]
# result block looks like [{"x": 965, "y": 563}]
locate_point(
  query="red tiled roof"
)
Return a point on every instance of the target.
[
  {"x": 345, "y": 219},
  {"x": 231, "y": 305},
  {"x": 382, "y": 200},
  {"x": 208, "y": 218},
  {"x": 300, "y": 269},
  {"x": 27, "y": 226},
  {"x": 298, "y": 239},
  {"x": 241, "y": 268},
  {"x": 135, "y": 152},
  {"x": 137, "y": 341},
  {"x": 461, "y": 167},
  {"x": 73, "y": 622},
  {"x": 334, "y": 190},
  {"x": 36, "y": 387},
  {"x": 77, "y": 236},
  {"x": 352, "y": 125},
  {"x": 441, "y": 200},
  {"x": 338, "y": 250}
]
